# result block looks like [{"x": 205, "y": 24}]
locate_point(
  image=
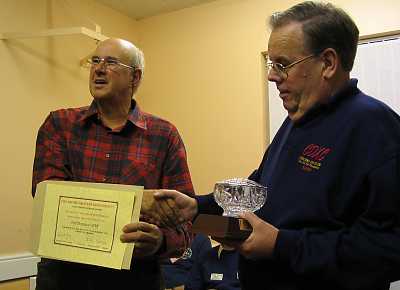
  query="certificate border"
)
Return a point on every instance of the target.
[{"x": 67, "y": 245}]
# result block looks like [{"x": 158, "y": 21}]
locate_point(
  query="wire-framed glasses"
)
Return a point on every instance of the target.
[
  {"x": 108, "y": 62},
  {"x": 282, "y": 70}
]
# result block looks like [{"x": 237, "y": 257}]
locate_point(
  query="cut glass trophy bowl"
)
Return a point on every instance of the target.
[{"x": 238, "y": 195}]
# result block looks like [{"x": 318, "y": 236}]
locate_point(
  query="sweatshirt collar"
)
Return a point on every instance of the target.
[{"x": 346, "y": 91}]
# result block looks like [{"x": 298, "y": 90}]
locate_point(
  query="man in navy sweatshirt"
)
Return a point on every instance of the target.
[
  {"x": 332, "y": 216},
  {"x": 215, "y": 269}
]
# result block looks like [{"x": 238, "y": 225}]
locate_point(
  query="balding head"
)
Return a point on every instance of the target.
[
  {"x": 116, "y": 70},
  {"x": 130, "y": 54}
]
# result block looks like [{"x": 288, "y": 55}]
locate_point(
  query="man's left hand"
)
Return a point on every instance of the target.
[
  {"x": 261, "y": 242},
  {"x": 148, "y": 238}
]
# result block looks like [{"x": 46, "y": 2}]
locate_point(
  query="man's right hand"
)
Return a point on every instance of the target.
[
  {"x": 181, "y": 207},
  {"x": 158, "y": 212}
]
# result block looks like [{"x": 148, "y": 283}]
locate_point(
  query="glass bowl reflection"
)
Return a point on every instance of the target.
[{"x": 238, "y": 195}]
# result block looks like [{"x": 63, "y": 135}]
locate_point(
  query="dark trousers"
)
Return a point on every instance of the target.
[{"x": 59, "y": 275}]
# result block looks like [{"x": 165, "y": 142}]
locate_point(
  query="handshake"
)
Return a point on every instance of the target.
[
  {"x": 170, "y": 208},
  {"x": 167, "y": 208},
  {"x": 237, "y": 227}
]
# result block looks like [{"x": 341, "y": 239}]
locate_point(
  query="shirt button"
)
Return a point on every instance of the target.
[{"x": 107, "y": 155}]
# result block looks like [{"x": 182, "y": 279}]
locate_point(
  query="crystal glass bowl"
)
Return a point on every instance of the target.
[{"x": 238, "y": 195}]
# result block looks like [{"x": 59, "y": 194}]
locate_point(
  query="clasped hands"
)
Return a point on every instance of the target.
[
  {"x": 170, "y": 208},
  {"x": 154, "y": 215}
]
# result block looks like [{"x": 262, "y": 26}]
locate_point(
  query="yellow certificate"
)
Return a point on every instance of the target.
[
  {"x": 81, "y": 222},
  {"x": 86, "y": 223}
]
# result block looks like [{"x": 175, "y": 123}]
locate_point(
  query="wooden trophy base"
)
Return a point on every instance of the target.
[{"x": 222, "y": 227}]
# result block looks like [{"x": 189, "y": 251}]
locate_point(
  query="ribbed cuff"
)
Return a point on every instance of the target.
[{"x": 207, "y": 205}]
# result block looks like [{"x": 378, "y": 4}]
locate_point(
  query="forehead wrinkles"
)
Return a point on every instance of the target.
[
  {"x": 116, "y": 50},
  {"x": 286, "y": 41}
]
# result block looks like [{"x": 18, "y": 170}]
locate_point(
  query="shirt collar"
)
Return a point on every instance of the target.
[
  {"x": 135, "y": 116},
  {"x": 349, "y": 89}
]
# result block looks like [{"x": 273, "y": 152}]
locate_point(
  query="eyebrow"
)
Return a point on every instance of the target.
[
  {"x": 279, "y": 58},
  {"x": 106, "y": 57},
  {"x": 283, "y": 60}
]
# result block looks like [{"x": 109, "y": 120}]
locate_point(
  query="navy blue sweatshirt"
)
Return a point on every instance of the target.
[
  {"x": 215, "y": 271},
  {"x": 334, "y": 195}
]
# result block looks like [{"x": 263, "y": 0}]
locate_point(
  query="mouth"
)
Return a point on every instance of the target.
[
  {"x": 283, "y": 94},
  {"x": 99, "y": 82}
]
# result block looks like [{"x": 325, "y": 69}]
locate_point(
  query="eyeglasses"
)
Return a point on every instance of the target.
[
  {"x": 282, "y": 70},
  {"x": 109, "y": 63}
]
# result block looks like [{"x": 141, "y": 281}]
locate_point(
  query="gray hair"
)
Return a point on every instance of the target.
[
  {"x": 324, "y": 26},
  {"x": 138, "y": 59}
]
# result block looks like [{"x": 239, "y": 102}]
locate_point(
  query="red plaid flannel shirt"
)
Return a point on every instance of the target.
[{"x": 73, "y": 144}]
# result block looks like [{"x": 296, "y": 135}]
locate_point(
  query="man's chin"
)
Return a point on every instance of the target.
[
  {"x": 288, "y": 107},
  {"x": 291, "y": 110},
  {"x": 99, "y": 96}
]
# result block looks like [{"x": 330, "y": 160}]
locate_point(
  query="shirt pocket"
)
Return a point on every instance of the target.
[{"x": 142, "y": 171}]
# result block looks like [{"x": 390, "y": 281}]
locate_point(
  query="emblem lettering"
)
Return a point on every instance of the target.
[{"x": 312, "y": 156}]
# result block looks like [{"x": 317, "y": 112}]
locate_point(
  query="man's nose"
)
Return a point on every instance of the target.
[
  {"x": 273, "y": 76},
  {"x": 100, "y": 67}
]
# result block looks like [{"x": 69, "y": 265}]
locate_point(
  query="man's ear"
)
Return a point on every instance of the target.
[
  {"x": 136, "y": 77},
  {"x": 330, "y": 62}
]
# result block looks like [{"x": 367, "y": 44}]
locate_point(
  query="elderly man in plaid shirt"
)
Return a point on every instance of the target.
[{"x": 113, "y": 141}]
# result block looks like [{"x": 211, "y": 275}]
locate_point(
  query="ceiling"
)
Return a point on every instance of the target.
[{"x": 139, "y": 9}]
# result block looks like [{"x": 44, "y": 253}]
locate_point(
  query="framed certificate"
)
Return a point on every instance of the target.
[{"x": 82, "y": 222}]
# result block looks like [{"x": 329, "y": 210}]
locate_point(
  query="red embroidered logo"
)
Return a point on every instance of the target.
[{"x": 312, "y": 157}]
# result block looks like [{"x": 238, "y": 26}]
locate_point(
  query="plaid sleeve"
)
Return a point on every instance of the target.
[
  {"x": 176, "y": 176},
  {"x": 50, "y": 158},
  {"x": 176, "y": 173},
  {"x": 176, "y": 241}
]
